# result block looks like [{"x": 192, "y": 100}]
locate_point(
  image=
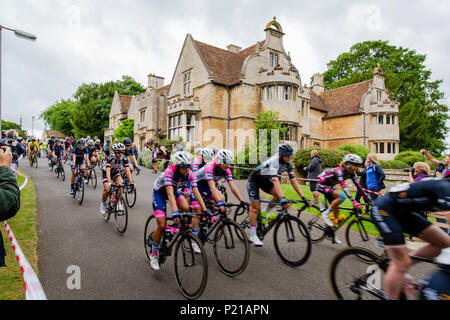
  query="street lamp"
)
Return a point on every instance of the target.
[
  {"x": 20, "y": 34},
  {"x": 32, "y": 127}
]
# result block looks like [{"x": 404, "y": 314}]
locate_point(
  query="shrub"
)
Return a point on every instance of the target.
[
  {"x": 330, "y": 158},
  {"x": 242, "y": 159},
  {"x": 356, "y": 149},
  {"x": 393, "y": 164},
  {"x": 411, "y": 157}
]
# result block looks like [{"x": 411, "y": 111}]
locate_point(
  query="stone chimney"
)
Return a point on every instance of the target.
[
  {"x": 155, "y": 82},
  {"x": 378, "y": 78},
  {"x": 233, "y": 48},
  {"x": 274, "y": 35},
  {"x": 318, "y": 86}
]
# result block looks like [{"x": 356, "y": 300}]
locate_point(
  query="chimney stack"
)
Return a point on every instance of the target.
[
  {"x": 233, "y": 48},
  {"x": 155, "y": 82},
  {"x": 318, "y": 86}
]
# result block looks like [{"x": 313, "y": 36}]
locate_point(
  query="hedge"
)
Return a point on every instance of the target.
[
  {"x": 331, "y": 158},
  {"x": 356, "y": 149},
  {"x": 411, "y": 157},
  {"x": 393, "y": 164}
]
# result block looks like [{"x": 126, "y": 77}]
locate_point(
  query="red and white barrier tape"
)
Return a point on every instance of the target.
[{"x": 33, "y": 287}]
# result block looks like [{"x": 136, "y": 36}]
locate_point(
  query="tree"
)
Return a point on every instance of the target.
[
  {"x": 125, "y": 130},
  {"x": 268, "y": 121},
  {"x": 7, "y": 125},
  {"x": 58, "y": 116},
  {"x": 422, "y": 114}
]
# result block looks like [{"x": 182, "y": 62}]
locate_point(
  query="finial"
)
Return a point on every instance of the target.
[{"x": 274, "y": 18}]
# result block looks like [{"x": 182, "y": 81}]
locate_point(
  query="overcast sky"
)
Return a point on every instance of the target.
[{"x": 96, "y": 41}]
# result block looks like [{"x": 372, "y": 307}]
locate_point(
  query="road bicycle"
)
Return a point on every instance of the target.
[
  {"x": 191, "y": 269},
  {"x": 59, "y": 170},
  {"x": 79, "y": 186},
  {"x": 361, "y": 231},
  {"x": 358, "y": 273},
  {"x": 115, "y": 205},
  {"x": 91, "y": 177},
  {"x": 230, "y": 243},
  {"x": 34, "y": 160},
  {"x": 291, "y": 237}
]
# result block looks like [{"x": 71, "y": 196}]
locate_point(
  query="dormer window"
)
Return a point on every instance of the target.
[{"x": 273, "y": 59}]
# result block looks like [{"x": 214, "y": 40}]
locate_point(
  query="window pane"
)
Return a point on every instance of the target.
[
  {"x": 382, "y": 147},
  {"x": 393, "y": 147},
  {"x": 380, "y": 119},
  {"x": 388, "y": 119},
  {"x": 389, "y": 147},
  {"x": 393, "y": 119},
  {"x": 193, "y": 119},
  {"x": 276, "y": 60}
]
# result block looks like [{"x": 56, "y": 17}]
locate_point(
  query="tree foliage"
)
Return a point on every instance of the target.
[
  {"x": 87, "y": 113},
  {"x": 422, "y": 114},
  {"x": 125, "y": 130},
  {"x": 7, "y": 125},
  {"x": 268, "y": 121}
]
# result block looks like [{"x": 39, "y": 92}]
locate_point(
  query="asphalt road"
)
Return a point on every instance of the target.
[{"x": 114, "y": 267}]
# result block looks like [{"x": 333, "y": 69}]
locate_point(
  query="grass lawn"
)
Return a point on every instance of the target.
[{"x": 23, "y": 225}]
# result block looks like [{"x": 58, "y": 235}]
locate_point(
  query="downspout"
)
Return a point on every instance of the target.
[{"x": 228, "y": 118}]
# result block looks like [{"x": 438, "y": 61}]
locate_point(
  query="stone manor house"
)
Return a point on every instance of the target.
[{"x": 215, "y": 95}]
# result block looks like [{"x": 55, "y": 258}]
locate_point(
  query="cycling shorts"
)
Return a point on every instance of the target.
[
  {"x": 114, "y": 175},
  {"x": 393, "y": 222},
  {"x": 159, "y": 201},
  {"x": 254, "y": 183}
]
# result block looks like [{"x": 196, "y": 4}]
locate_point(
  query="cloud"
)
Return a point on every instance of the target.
[{"x": 96, "y": 41}]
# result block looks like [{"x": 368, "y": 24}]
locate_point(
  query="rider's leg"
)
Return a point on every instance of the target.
[
  {"x": 437, "y": 240},
  {"x": 395, "y": 274},
  {"x": 83, "y": 166},
  {"x": 335, "y": 199}
]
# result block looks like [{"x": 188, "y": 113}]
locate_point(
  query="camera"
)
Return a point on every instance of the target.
[{"x": 409, "y": 170}]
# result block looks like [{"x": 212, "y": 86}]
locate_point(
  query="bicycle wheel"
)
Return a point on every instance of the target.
[
  {"x": 241, "y": 218},
  {"x": 354, "y": 278},
  {"x": 35, "y": 162},
  {"x": 121, "y": 216},
  {"x": 94, "y": 178},
  {"x": 107, "y": 216},
  {"x": 232, "y": 253},
  {"x": 130, "y": 195},
  {"x": 315, "y": 225},
  {"x": 191, "y": 269},
  {"x": 63, "y": 174},
  {"x": 80, "y": 191},
  {"x": 292, "y": 241},
  {"x": 150, "y": 226},
  {"x": 365, "y": 235}
]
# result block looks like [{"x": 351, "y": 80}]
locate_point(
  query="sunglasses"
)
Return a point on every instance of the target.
[
  {"x": 120, "y": 152},
  {"x": 185, "y": 166}
]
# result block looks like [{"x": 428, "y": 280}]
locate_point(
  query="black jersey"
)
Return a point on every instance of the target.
[
  {"x": 79, "y": 154},
  {"x": 58, "y": 150},
  {"x": 116, "y": 164}
]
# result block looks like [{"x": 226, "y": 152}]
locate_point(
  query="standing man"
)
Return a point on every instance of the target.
[
  {"x": 155, "y": 158},
  {"x": 314, "y": 169}
]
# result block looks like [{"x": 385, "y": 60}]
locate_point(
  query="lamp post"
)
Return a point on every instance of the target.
[
  {"x": 20, "y": 34},
  {"x": 32, "y": 126}
]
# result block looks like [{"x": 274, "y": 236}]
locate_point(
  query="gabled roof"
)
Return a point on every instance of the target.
[
  {"x": 225, "y": 65},
  {"x": 56, "y": 133},
  {"x": 125, "y": 102},
  {"x": 341, "y": 101}
]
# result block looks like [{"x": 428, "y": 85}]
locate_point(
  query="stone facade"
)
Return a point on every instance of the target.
[{"x": 215, "y": 95}]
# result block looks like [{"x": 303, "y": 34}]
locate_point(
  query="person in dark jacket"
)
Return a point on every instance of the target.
[
  {"x": 9, "y": 194},
  {"x": 314, "y": 169},
  {"x": 372, "y": 177}
]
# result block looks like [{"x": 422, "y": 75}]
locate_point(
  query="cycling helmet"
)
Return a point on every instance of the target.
[
  {"x": 182, "y": 158},
  {"x": 225, "y": 157},
  {"x": 97, "y": 141},
  {"x": 207, "y": 153},
  {"x": 58, "y": 141},
  {"x": 90, "y": 143},
  {"x": 353, "y": 158},
  {"x": 127, "y": 142},
  {"x": 81, "y": 142},
  {"x": 33, "y": 139},
  {"x": 108, "y": 141},
  {"x": 118, "y": 147},
  {"x": 53, "y": 137},
  {"x": 286, "y": 149}
]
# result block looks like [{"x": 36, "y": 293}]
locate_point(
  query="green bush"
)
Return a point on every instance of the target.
[
  {"x": 393, "y": 164},
  {"x": 242, "y": 159},
  {"x": 411, "y": 157},
  {"x": 330, "y": 158},
  {"x": 356, "y": 149}
]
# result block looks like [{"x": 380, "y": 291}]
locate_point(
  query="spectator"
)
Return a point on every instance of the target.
[
  {"x": 3, "y": 134},
  {"x": 135, "y": 149},
  {"x": 419, "y": 171},
  {"x": 155, "y": 158},
  {"x": 177, "y": 147},
  {"x": 372, "y": 177},
  {"x": 166, "y": 156},
  {"x": 17, "y": 149},
  {"x": 9, "y": 194},
  {"x": 442, "y": 166},
  {"x": 314, "y": 169}
]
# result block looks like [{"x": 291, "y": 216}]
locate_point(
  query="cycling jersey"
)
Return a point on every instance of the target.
[
  {"x": 79, "y": 155},
  {"x": 198, "y": 163},
  {"x": 130, "y": 152},
  {"x": 50, "y": 144},
  {"x": 91, "y": 152},
  {"x": 98, "y": 147},
  {"x": 58, "y": 150},
  {"x": 172, "y": 177},
  {"x": 33, "y": 145},
  {"x": 107, "y": 149},
  {"x": 212, "y": 172},
  {"x": 395, "y": 213},
  {"x": 330, "y": 178},
  {"x": 115, "y": 165},
  {"x": 67, "y": 145},
  {"x": 261, "y": 177}
]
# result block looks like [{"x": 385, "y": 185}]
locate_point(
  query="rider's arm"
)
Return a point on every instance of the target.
[
  {"x": 133, "y": 159},
  {"x": 297, "y": 188},
  {"x": 128, "y": 173},
  {"x": 172, "y": 200},
  {"x": 199, "y": 198},
  {"x": 86, "y": 158},
  {"x": 277, "y": 187},
  {"x": 361, "y": 190},
  {"x": 235, "y": 190},
  {"x": 108, "y": 174},
  {"x": 214, "y": 191}
]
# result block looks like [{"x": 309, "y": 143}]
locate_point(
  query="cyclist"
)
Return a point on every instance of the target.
[
  {"x": 68, "y": 145},
  {"x": 80, "y": 157},
  {"x": 267, "y": 178},
  {"x": 33, "y": 147},
  {"x": 107, "y": 148},
  {"x": 328, "y": 179},
  {"x": 58, "y": 151},
  {"x": 395, "y": 214},
  {"x": 166, "y": 188},
  {"x": 98, "y": 145},
  {"x": 93, "y": 156},
  {"x": 50, "y": 145},
  {"x": 112, "y": 168},
  {"x": 130, "y": 153},
  {"x": 205, "y": 155}
]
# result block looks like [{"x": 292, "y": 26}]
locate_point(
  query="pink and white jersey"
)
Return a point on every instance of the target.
[
  {"x": 212, "y": 171},
  {"x": 172, "y": 177},
  {"x": 197, "y": 164}
]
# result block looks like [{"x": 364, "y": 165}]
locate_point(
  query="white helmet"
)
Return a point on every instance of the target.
[
  {"x": 182, "y": 158},
  {"x": 353, "y": 158},
  {"x": 118, "y": 147},
  {"x": 198, "y": 151},
  {"x": 90, "y": 143},
  {"x": 207, "y": 153},
  {"x": 225, "y": 156}
]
